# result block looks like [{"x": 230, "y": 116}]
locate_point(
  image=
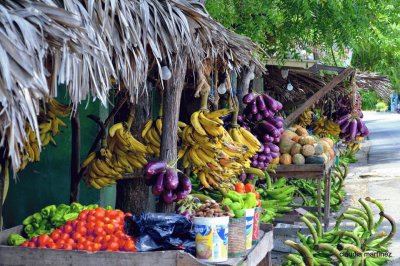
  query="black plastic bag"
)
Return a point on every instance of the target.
[{"x": 161, "y": 231}]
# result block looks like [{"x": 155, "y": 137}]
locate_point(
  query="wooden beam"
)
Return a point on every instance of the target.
[
  {"x": 318, "y": 95},
  {"x": 171, "y": 107},
  {"x": 75, "y": 157}
]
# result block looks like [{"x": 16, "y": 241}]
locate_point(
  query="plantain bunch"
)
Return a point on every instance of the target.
[
  {"x": 305, "y": 118},
  {"x": 152, "y": 132},
  {"x": 325, "y": 126},
  {"x": 212, "y": 153},
  {"x": 49, "y": 127}
]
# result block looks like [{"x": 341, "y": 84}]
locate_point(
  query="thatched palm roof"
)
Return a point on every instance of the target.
[{"x": 84, "y": 44}]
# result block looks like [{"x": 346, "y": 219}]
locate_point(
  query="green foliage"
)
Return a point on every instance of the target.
[
  {"x": 370, "y": 27},
  {"x": 369, "y": 99},
  {"x": 381, "y": 106}
]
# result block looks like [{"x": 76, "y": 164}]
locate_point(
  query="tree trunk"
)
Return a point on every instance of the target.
[
  {"x": 75, "y": 157},
  {"x": 172, "y": 100},
  {"x": 244, "y": 83},
  {"x": 2, "y": 179},
  {"x": 133, "y": 194}
]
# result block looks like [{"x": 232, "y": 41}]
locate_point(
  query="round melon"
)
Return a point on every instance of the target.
[
  {"x": 307, "y": 140},
  {"x": 296, "y": 149},
  {"x": 331, "y": 153},
  {"x": 299, "y": 159},
  {"x": 319, "y": 149},
  {"x": 285, "y": 145},
  {"x": 285, "y": 159},
  {"x": 275, "y": 160},
  {"x": 296, "y": 139},
  {"x": 308, "y": 150},
  {"x": 324, "y": 144},
  {"x": 288, "y": 134},
  {"x": 329, "y": 141},
  {"x": 301, "y": 131},
  {"x": 316, "y": 159}
]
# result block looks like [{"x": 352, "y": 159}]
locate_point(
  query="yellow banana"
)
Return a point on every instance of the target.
[
  {"x": 202, "y": 178},
  {"x": 45, "y": 127},
  {"x": 159, "y": 126},
  {"x": 54, "y": 126},
  {"x": 250, "y": 138},
  {"x": 181, "y": 124},
  {"x": 218, "y": 113},
  {"x": 195, "y": 158},
  {"x": 114, "y": 128},
  {"x": 147, "y": 127},
  {"x": 194, "y": 120},
  {"x": 94, "y": 184},
  {"x": 204, "y": 121}
]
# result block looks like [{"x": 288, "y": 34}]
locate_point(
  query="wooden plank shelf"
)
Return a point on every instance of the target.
[
  {"x": 260, "y": 254},
  {"x": 320, "y": 172}
]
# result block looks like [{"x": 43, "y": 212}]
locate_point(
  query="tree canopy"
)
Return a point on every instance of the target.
[{"x": 370, "y": 27}]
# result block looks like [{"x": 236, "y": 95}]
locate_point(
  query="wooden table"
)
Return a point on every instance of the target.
[
  {"x": 260, "y": 255},
  {"x": 311, "y": 171}
]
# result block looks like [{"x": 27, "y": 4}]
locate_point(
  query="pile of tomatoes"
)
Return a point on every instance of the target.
[
  {"x": 93, "y": 230},
  {"x": 248, "y": 188}
]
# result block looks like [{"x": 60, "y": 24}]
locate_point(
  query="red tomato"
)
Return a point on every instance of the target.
[
  {"x": 52, "y": 246},
  {"x": 81, "y": 229},
  {"x": 120, "y": 215},
  {"x": 249, "y": 188},
  {"x": 32, "y": 245},
  {"x": 83, "y": 215},
  {"x": 130, "y": 245},
  {"x": 106, "y": 239},
  {"x": 112, "y": 246},
  {"x": 90, "y": 227},
  {"x": 91, "y": 218},
  {"x": 43, "y": 240},
  {"x": 68, "y": 247},
  {"x": 239, "y": 187},
  {"x": 99, "y": 231},
  {"x": 42, "y": 246},
  {"x": 110, "y": 228},
  {"x": 100, "y": 213},
  {"x": 55, "y": 235},
  {"x": 90, "y": 238},
  {"x": 257, "y": 195},
  {"x": 68, "y": 228},
  {"x": 88, "y": 246},
  {"x": 96, "y": 246},
  {"x": 112, "y": 214},
  {"x": 100, "y": 224},
  {"x": 70, "y": 241},
  {"x": 25, "y": 244},
  {"x": 106, "y": 220},
  {"x": 121, "y": 242},
  {"x": 128, "y": 214},
  {"x": 59, "y": 245},
  {"x": 34, "y": 239},
  {"x": 80, "y": 246},
  {"x": 64, "y": 236},
  {"x": 76, "y": 235},
  {"x": 119, "y": 234},
  {"x": 99, "y": 239},
  {"x": 82, "y": 240},
  {"x": 258, "y": 203}
]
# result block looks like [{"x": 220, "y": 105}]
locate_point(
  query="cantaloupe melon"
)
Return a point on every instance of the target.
[
  {"x": 297, "y": 138},
  {"x": 285, "y": 145},
  {"x": 288, "y": 134},
  {"x": 296, "y": 149},
  {"x": 301, "y": 131},
  {"x": 319, "y": 149},
  {"x": 275, "y": 160},
  {"x": 329, "y": 141},
  {"x": 325, "y": 144},
  {"x": 308, "y": 150},
  {"x": 285, "y": 159},
  {"x": 298, "y": 159},
  {"x": 307, "y": 140}
]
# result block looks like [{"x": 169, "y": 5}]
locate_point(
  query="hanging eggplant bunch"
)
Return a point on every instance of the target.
[
  {"x": 169, "y": 183},
  {"x": 260, "y": 117},
  {"x": 352, "y": 126}
]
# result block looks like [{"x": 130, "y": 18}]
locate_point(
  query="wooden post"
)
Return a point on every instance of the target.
[
  {"x": 172, "y": 100},
  {"x": 2, "y": 179},
  {"x": 75, "y": 156},
  {"x": 132, "y": 193},
  {"x": 244, "y": 83},
  {"x": 318, "y": 95}
]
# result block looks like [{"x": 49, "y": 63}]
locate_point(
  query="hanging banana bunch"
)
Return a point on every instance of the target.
[
  {"x": 210, "y": 152},
  {"x": 305, "y": 119},
  {"x": 49, "y": 127},
  {"x": 100, "y": 170},
  {"x": 325, "y": 126}
]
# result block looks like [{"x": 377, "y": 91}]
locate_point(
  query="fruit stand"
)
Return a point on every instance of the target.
[{"x": 320, "y": 172}]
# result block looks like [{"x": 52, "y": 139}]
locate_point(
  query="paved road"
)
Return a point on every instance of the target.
[{"x": 380, "y": 161}]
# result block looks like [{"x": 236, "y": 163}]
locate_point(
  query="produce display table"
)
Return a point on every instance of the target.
[
  {"x": 311, "y": 171},
  {"x": 258, "y": 255}
]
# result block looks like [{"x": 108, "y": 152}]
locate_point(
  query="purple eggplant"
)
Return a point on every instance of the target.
[
  {"x": 243, "y": 177},
  {"x": 365, "y": 133},
  {"x": 250, "y": 176},
  {"x": 254, "y": 109},
  {"x": 345, "y": 126},
  {"x": 153, "y": 168},
  {"x": 353, "y": 128},
  {"x": 185, "y": 182},
  {"x": 268, "y": 158},
  {"x": 261, "y": 149},
  {"x": 267, "y": 150},
  {"x": 260, "y": 103},
  {"x": 249, "y": 117},
  {"x": 181, "y": 195},
  {"x": 270, "y": 129},
  {"x": 240, "y": 119},
  {"x": 279, "y": 124},
  {"x": 262, "y": 158},
  {"x": 171, "y": 180},
  {"x": 277, "y": 140},
  {"x": 274, "y": 155},
  {"x": 266, "y": 113},
  {"x": 360, "y": 125},
  {"x": 249, "y": 97},
  {"x": 342, "y": 119},
  {"x": 273, "y": 147},
  {"x": 254, "y": 163},
  {"x": 258, "y": 117},
  {"x": 255, "y": 157},
  {"x": 270, "y": 102},
  {"x": 158, "y": 187},
  {"x": 266, "y": 138},
  {"x": 168, "y": 196},
  {"x": 260, "y": 165},
  {"x": 280, "y": 106},
  {"x": 246, "y": 127},
  {"x": 281, "y": 130}
]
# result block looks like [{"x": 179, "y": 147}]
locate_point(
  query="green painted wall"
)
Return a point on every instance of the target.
[{"x": 48, "y": 181}]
